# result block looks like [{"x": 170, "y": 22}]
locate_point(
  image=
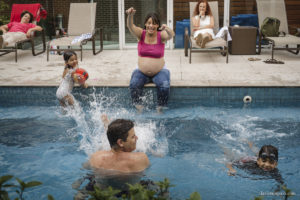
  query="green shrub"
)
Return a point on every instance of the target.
[
  {"x": 3, "y": 7},
  {"x": 20, "y": 188}
]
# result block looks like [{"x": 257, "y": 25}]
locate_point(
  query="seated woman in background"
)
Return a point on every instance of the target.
[
  {"x": 203, "y": 23},
  {"x": 17, "y": 31}
]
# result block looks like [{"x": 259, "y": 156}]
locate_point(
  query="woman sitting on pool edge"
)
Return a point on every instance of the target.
[{"x": 151, "y": 63}]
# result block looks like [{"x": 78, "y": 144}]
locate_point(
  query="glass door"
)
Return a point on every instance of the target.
[{"x": 143, "y": 7}]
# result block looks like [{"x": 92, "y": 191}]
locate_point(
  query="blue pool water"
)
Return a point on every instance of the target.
[{"x": 184, "y": 144}]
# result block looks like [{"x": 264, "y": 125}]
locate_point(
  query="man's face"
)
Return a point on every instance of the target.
[
  {"x": 25, "y": 18},
  {"x": 130, "y": 144}
]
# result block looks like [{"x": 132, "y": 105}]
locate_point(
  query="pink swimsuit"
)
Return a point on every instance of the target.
[{"x": 151, "y": 50}]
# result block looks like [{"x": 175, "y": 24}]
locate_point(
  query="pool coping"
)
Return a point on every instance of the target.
[{"x": 113, "y": 68}]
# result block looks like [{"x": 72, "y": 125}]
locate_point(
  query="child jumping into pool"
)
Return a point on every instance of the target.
[
  {"x": 264, "y": 163},
  {"x": 70, "y": 77}
]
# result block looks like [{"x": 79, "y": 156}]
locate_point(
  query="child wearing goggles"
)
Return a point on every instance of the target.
[
  {"x": 267, "y": 158},
  {"x": 263, "y": 164}
]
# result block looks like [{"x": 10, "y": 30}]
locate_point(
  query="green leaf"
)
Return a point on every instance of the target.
[
  {"x": 50, "y": 197},
  {"x": 4, "y": 195},
  {"x": 259, "y": 198},
  {"x": 195, "y": 196},
  {"x": 5, "y": 178},
  {"x": 32, "y": 184},
  {"x": 9, "y": 185},
  {"x": 22, "y": 184}
]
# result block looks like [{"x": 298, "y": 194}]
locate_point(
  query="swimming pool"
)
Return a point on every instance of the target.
[{"x": 37, "y": 142}]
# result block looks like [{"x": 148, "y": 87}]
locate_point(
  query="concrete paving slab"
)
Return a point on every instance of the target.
[{"x": 114, "y": 68}]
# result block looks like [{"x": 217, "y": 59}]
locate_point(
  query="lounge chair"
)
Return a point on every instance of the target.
[
  {"x": 16, "y": 11},
  {"x": 276, "y": 9},
  {"x": 216, "y": 45},
  {"x": 82, "y": 18}
]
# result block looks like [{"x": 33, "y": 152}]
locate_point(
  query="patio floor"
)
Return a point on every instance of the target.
[{"x": 114, "y": 67}]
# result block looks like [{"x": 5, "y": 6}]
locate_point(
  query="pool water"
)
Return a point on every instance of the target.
[{"x": 185, "y": 144}]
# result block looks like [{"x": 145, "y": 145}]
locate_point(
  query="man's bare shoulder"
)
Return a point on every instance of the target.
[
  {"x": 139, "y": 160},
  {"x": 98, "y": 157}
]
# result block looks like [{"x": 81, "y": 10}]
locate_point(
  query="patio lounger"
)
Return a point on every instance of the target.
[
  {"x": 81, "y": 24},
  {"x": 276, "y": 9},
  {"x": 37, "y": 12},
  {"x": 216, "y": 45}
]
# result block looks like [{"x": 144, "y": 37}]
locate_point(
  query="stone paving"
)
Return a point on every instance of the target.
[{"x": 114, "y": 67}]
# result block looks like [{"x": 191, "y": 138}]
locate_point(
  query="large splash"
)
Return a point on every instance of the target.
[{"x": 92, "y": 134}]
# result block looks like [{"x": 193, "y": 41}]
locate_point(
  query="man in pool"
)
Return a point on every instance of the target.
[{"x": 122, "y": 139}]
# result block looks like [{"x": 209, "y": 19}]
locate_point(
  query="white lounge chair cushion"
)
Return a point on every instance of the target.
[
  {"x": 218, "y": 42},
  {"x": 286, "y": 40},
  {"x": 64, "y": 41}
]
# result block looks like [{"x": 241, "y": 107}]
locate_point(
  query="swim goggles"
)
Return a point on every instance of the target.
[{"x": 271, "y": 157}]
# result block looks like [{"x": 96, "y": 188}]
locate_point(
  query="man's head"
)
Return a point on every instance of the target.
[
  {"x": 121, "y": 135},
  {"x": 267, "y": 157},
  {"x": 26, "y": 17}
]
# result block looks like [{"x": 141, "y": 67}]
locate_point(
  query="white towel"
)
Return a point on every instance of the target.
[
  {"x": 83, "y": 36},
  {"x": 221, "y": 33}
]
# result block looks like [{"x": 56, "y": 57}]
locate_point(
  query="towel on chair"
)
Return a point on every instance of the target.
[{"x": 221, "y": 33}]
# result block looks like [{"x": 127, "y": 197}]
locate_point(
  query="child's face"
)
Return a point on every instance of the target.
[
  {"x": 266, "y": 164},
  {"x": 72, "y": 61}
]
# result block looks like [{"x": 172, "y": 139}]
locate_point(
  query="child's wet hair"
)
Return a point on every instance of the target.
[
  {"x": 268, "y": 150},
  {"x": 68, "y": 55}
]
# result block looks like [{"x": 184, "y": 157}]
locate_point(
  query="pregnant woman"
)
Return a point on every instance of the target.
[{"x": 151, "y": 64}]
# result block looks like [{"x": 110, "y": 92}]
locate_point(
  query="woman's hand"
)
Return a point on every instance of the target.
[
  {"x": 4, "y": 28},
  {"x": 105, "y": 120},
  {"x": 130, "y": 11},
  {"x": 167, "y": 33},
  {"x": 134, "y": 30},
  {"x": 202, "y": 13},
  {"x": 85, "y": 85},
  {"x": 28, "y": 34},
  {"x": 163, "y": 27}
]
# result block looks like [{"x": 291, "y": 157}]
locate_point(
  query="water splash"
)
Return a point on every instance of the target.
[{"x": 92, "y": 134}]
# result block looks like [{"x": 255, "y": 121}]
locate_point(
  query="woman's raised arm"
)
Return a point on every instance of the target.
[
  {"x": 166, "y": 33},
  {"x": 134, "y": 30}
]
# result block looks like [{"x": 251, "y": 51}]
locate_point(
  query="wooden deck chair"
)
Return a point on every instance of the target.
[
  {"x": 16, "y": 11},
  {"x": 276, "y": 9},
  {"x": 216, "y": 45},
  {"x": 82, "y": 18}
]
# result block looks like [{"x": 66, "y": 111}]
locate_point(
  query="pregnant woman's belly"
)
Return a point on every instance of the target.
[{"x": 150, "y": 66}]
